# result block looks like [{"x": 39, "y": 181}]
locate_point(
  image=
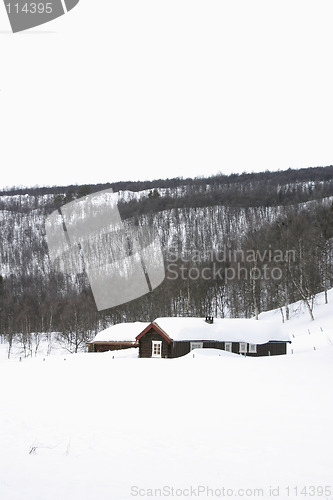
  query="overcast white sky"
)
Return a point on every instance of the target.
[{"x": 137, "y": 89}]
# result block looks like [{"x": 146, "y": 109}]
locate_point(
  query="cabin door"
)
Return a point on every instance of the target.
[{"x": 156, "y": 349}]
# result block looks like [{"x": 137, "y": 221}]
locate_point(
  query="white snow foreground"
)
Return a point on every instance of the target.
[{"x": 93, "y": 426}]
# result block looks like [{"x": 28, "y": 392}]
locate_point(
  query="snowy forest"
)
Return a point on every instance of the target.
[{"x": 234, "y": 246}]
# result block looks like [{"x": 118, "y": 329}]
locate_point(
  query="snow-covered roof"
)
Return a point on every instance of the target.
[
  {"x": 224, "y": 330},
  {"x": 125, "y": 332}
]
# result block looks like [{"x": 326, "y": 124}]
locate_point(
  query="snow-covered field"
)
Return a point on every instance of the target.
[{"x": 103, "y": 427}]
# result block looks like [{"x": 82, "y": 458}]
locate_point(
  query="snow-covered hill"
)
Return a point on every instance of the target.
[
  {"x": 22, "y": 228},
  {"x": 307, "y": 335},
  {"x": 94, "y": 426}
]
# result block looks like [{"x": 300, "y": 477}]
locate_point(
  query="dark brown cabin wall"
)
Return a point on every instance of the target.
[
  {"x": 179, "y": 349},
  {"x": 104, "y": 347},
  {"x": 271, "y": 348},
  {"x": 234, "y": 347},
  {"x": 145, "y": 344},
  {"x": 214, "y": 345}
]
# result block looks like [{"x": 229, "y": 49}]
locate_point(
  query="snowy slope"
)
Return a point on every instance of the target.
[
  {"x": 88, "y": 426},
  {"x": 307, "y": 335}
]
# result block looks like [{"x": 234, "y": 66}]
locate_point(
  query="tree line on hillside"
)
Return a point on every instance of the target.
[
  {"x": 254, "y": 194},
  {"x": 234, "y": 190},
  {"x": 322, "y": 175}
]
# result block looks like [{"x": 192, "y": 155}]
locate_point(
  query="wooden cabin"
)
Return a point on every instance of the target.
[
  {"x": 175, "y": 337},
  {"x": 120, "y": 336}
]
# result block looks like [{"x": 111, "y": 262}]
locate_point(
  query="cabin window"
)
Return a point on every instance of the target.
[
  {"x": 242, "y": 347},
  {"x": 252, "y": 348},
  {"x": 196, "y": 345},
  {"x": 228, "y": 346},
  {"x": 156, "y": 349}
]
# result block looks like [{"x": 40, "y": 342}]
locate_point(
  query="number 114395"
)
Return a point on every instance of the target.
[{"x": 30, "y": 8}]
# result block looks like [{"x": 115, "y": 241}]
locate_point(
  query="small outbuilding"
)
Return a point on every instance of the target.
[
  {"x": 175, "y": 337},
  {"x": 120, "y": 336}
]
